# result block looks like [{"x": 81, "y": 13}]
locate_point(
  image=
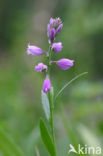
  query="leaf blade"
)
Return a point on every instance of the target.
[
  {"x": 45, "y": 103},
  {"x": 46, "y": 138},
  {"x": 67, "y": 84}
]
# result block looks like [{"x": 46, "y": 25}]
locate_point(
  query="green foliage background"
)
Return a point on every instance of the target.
[{"x": 79, "y": 112}]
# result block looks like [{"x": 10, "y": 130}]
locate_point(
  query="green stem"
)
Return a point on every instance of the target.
[
  {"x": 51, "y": 118},
  {"x": 49, "y": 59},
  {"x": 51, "y": 101},
  {"x": 52, "y": 126}
]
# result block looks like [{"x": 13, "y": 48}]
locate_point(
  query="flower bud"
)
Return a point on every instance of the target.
[
  {"x": 51, "y": 21},
  {"x": 46, "y": 85},
  {"x": 51, "y": 33},
  {"x": 41, "y": 67},
  {"x": 57, "y": 47},
  {"x": 59, "y": 28},
  {"x": 34, "y": 50},
  {"x": 54, "y": 27},
  {"x": 48, "y": 30},
  {"x": 55, "y": 22},
  {"x": 64, "y": 63}
]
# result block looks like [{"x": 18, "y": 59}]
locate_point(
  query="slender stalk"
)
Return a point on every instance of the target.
[
  {"x": 51, "y": 118},
  {"x": 51, "y": 101},
  {"x": 49, "y": 59}
]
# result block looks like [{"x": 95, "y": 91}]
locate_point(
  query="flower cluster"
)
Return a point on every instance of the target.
[{"x": 53, "y": 29}]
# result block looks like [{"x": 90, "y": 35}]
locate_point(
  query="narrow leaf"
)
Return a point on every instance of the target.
[
  {"x": 45, "y": 103},
  {"x": 47, "y": 138},
  {"x": 67, "y": 84}
]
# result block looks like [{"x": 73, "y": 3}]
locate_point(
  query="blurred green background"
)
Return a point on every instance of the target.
[{"x": 79, "y": 112}]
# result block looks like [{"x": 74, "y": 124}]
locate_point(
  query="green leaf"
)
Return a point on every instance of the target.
[
  {"x": 45, "y": 103},
  {"x": 8, "y": 146},
  {"x": 47, "y": 139},
  {"x": 67, "y": 84}
]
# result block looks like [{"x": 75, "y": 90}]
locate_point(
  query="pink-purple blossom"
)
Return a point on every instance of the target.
[
  {"x": 51, "y": 21},
  {"x": 54, "y": 27},
  {"x": 59, "y": 28},
  {"x": 34, "y": 50},
  {"x": 41, "y": 67},
  {"x": 64, "y": 63},
  {"x": 46, "y": 85},
  {"x": 51, "y": 33},
  {"x": 57, "y": 47}
]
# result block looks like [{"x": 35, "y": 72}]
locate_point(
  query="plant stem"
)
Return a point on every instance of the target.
[
  {"x": 49, "y": 59},
  {"x": 52, "y": 120},
  {"x": 51, "y": 101}
]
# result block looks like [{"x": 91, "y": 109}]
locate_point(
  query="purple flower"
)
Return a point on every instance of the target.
[
  {"x": 41, "y": 67},
  {"x": 46, "y": 85},
  {"x": 58, "y": 21},
  {"x": 54, "y": 27},
  {"x": 55, "y": 22},
  {"x": 34, "y": 50},
  {"x": 51, "y": 21},
  {"x": 65, "y": 64},
  {"x": 48, "y": 30},
  {"x": 57, "y": 47},
  {"x": 59, "y": 28},
  {"x": 51, "y": 33}
]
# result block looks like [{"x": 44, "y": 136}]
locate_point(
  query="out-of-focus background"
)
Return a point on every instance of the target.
[{"x": 79, "y": 111}]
